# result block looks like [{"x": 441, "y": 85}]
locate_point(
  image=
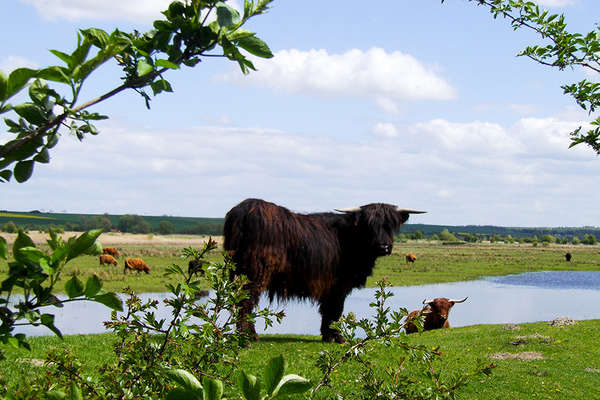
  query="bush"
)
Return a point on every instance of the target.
[
  {"x": 10, "y": 227},
  {"x": 133, "y": 224}
]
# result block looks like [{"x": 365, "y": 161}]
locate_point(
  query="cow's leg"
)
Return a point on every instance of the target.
[
  {"x": 246, "y": 307},
  {"x": 331, "y": 310}
]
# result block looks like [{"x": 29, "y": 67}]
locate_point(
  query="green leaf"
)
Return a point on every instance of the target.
[
  {"x": 183, "y": 379},
  {"x": 42, "y": 157},
  {"x": 144, "y": 68},
  {"x": 74, "y": 287},
  {"x": 23, "y": 171},
  {"x": 184, "y": 394},
  {"x": 48, "y": 321},
  {"x": 21, "y": 241},
  {"x": 166, "y": 64},
  {"x": 97, "y": 37},
  {"x": 64, "y": 57},
  {"x": 110, "y": 300},
  {"x": 92, "y": 286},
  {"x": 56, "y": 395},
  {"x": 256, "y": 46},
  {"x": 3, "y": 84},
  {"x": 83, "y": 243},
  {"x": 95, "y": 249},
  {"x": 292, "y": 384},
  {"x": 55, "y": 74},
  {"x": 226, "y": 15},
  {"x": 249, "y": 385},
  {"x": 6, "y": 174},
  {"x": 213, "y": 388},
  {"x": 75, "y": 392},
  {"x": 17, "y": 80},
  {"x": 160, "y": 85},
  {"x": 37, "y": 256},
  {"x": 3, "y": 248},
  {"x": 274, "y": 373},
  {"x": 31, "y": 112}
]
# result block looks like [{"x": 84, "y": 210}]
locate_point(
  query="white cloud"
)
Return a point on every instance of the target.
[
  {"x": 385, "y": 129},
  {"x": 473, "y": 172},
  {"x": 375, "y": 73},
  {"x": 10, "y": 63}
]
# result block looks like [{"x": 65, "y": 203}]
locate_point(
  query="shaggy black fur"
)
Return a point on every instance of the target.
[{"x": 320, "y": 257}]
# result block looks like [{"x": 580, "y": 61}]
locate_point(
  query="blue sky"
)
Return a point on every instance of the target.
[{"x": 415, "y": 103}]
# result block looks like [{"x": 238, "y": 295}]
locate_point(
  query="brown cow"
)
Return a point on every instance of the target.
[
  {"x": 112, "y": 251},
  {"x": 136, "y": 264},
  {"x": 411, "y": 257},
  {"x": 107, "y": 259},
  {"x": 436, "y": 314}
]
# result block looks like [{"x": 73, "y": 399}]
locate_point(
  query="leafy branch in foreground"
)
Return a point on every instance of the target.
[
  {"x": 414, "y": 377},
  {"x": 183, "y": 37},
  {"x": 564, "y": 49},
  {"x": 33, "y": 276}
]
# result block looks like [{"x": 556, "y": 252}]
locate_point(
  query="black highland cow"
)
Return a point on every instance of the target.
[{"x": 320, "y": 257}]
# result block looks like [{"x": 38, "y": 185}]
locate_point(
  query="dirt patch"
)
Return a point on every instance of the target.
[
  {"x": 537, "y": 338},
  {"x": 562, "y": 321},
  {"x": 595, "y": 370},
  {"x": 32, "y": 361},
  {"x": 511, "y": 327},
  {"x": 523, "y": 356}
]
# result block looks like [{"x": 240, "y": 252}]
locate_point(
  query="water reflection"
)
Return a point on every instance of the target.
[{"x": 530, "y": 297}]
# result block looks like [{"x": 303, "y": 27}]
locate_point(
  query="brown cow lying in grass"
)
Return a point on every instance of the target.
[
  {"x": 436, "y": 314},
  {"x": 411, "y": 257},
  {"x": 112, "y": 251},
  {"x": 107, "y": 259},
  {"x": 136, "y": 264}
]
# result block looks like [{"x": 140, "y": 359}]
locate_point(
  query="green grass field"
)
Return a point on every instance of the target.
[
  {"x": 436, "y": 263},
  {"x": 565, "y": 362},
  {"x": 537, "y": 361}
]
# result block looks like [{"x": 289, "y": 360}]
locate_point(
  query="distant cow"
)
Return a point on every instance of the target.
[
  {"x": 107, "y": 259},
  {"x": 410, "y": 258},
  {"x": 136, "y": 264},
  {"x": 320, "y": 256},
  {"x": 112, "y": 251},
  {"x": 436, "y": 314},
  {"x": 568, "y": 256}
]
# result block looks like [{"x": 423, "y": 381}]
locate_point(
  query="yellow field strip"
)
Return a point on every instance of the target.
[{"x": 11, "y": 215}]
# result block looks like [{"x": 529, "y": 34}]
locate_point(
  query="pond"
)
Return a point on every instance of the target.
[{"x": 528, "y": 297}]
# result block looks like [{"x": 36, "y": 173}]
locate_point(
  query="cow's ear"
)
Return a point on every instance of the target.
[{"x": 404, "y": 216}]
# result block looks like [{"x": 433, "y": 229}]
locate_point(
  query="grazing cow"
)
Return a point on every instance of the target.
[
  {"x": 320, "y": 257},
  {"x": 107, "y": 259},
  {"x": 436, "y": 314},
  {"x": 568, "y": 256},
  {"x": 112, "y": 251},
  {"x": 411, "y": 257},
  {"x": 136, "y": 264}
]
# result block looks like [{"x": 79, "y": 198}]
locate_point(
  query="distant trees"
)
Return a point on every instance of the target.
[
  {"x": 166, "y": 228},
  {"x": 133, "y": 224}
]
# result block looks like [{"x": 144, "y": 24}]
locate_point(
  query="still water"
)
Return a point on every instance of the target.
[{"x": 529, "y": 297}]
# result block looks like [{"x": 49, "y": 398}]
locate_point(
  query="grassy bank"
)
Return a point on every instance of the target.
[
  {"x": 436, "y": 262},
  {"x": 532, "y": 360}
]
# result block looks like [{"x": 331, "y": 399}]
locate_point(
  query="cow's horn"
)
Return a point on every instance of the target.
[
  {"x": 410, "y": 211},
  {"x": 347, "y": 210},
  {"x": 457, "y": 301},
  {"x": 428, "y": 301}
]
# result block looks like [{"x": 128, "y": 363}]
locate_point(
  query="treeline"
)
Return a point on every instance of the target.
[
  {"x": 544, "y": 238},
  {"x": 125, "y": 223},
  {"x": 36, "y": 220}
]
